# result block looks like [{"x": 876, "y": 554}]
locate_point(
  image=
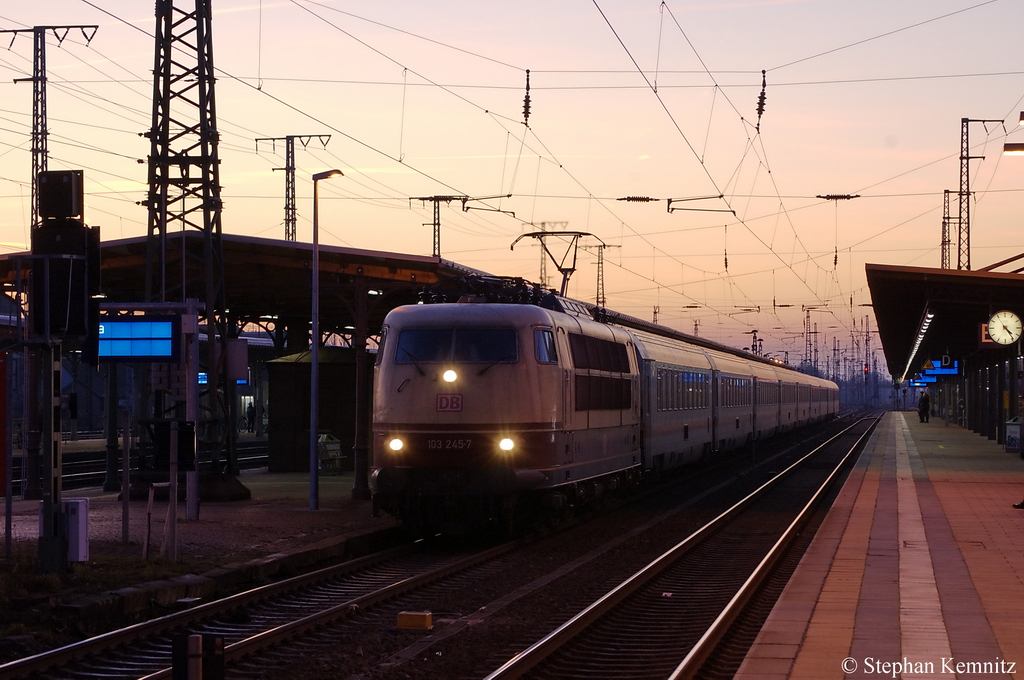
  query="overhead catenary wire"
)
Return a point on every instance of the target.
[{"x": 734, "y": 194}]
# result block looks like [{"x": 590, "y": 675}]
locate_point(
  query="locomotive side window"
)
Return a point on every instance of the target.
[
  {"x": 598, "y": 393},
  {"x": 458, "y": 345},
  {"x": 544, "y": 346},
  {"x": 598, "y": 355}
]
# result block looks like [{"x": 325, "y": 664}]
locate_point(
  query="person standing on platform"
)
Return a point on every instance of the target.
[
  {"x": 250, "y": 417},
  {"x": 924, "y": 406}
]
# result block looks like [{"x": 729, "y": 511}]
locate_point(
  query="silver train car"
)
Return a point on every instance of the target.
[{"x": 497, "y": 409}]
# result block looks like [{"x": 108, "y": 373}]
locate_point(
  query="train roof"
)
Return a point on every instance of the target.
[{"x": 514, "y": 290}]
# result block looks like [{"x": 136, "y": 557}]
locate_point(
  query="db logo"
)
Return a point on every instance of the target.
[{"x": 449, "y": 402}]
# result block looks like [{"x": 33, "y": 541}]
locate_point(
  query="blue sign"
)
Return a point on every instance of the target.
[
  {"x": 140, "y": 338},
  {"x": 939, "y": 370}
]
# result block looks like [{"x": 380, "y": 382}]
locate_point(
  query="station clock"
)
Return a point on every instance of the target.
[{"x": 1004, "y": 327}]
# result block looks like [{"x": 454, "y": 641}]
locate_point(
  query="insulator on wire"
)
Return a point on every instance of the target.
[
  {"x": 637, "y": 199},
  {"x": 761, "y": 99},
  {"x": 526, "y": 101}
]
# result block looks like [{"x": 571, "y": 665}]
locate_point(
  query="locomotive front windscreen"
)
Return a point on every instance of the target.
[{"x": 457, "y": 345}]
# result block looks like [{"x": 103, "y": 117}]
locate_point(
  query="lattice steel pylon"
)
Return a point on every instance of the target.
[
  {"x": 600, "y": 299},
  {"x": 963, "y": 260},
  {"x": 290, "y": 211},
  {"x": 184, "y": 190},
  {"x": 40, "y": 133},
  {"x": 947, "y": 221},
  {"x": 184, "y": 167}
]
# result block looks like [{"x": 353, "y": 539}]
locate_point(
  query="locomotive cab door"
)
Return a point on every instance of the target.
[
  {"x": 569, "y": 419},
  {"x": 754, "y": 397},
  {"x": 648, "y": 403},
  {"x": 715, "y": 408}
]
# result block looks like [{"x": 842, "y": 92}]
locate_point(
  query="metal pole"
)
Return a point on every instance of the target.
[
  {"x": 192, "y": 405},
  {"x": 110, "y": 479},
  {"x": 172, "y": 496},
  {"x": 314, "y": 355},
  {"x": 126, "y": 471},
  {"x": 314, "y": 358},
  {"x": 8, "y": 444},
  {"x": 361, "y": 448}
]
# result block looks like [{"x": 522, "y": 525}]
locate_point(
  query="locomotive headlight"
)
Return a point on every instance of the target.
[
  {"x": 395, "y": 444},
  {"x": 506, "y": 444},
  {"x": 449, "y": 376}
]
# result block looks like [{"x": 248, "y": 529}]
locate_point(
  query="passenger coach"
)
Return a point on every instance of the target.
[{"x": 488, "y": 411}]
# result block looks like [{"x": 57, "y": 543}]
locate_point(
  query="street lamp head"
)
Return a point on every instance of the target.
[
  {"x": 1022, "y": 117},
  {"x": 326, "y": 174},
  {"x": 1013, "y": 149}
]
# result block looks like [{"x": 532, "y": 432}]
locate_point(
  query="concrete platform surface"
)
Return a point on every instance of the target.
[
  {"x": 918, "y": 570},
  {"x": 231, "y": 543}
]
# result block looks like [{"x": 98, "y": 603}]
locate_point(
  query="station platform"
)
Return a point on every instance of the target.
[
  {"x": 918, "y": 570},
  {"x": 232, "y": 543}
]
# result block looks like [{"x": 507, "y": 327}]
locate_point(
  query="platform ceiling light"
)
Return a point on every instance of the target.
[
  {"x": 506, "y": 444},
  {"x": 449, "y": 375},
  {"x": 926, "y": 321},
  {"x": 395, "y": 444}
]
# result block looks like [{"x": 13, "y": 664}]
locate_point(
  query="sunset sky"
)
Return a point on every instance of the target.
[{"x": 628, "y": 98}]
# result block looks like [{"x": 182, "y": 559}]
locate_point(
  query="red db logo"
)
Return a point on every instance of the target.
[{"x": 449, "y": 402}]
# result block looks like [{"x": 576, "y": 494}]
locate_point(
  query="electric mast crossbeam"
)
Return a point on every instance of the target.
[{"x": 438, "y": 200}]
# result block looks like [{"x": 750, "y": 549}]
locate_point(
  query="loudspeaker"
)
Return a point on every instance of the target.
[
  {"x": 61, "y": 193},
  {"x": 64, "y": 278}
]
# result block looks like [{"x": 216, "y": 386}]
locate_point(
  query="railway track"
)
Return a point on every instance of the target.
[
  {"x": 87, "y": 469},
  {"x": 342, "y": 619},
  {"x": 668, "y": 619},
  {"x": 253, "y": 620}
]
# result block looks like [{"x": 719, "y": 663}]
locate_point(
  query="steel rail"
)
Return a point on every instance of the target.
[
  {"x": 536, "y": 653},
  {"x": 45, "y": 660},
  {"x": 273, "y": 636},
  {"x": 704, "y": 647}
]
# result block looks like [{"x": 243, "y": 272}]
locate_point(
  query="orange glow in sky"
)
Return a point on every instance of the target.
[{"x": 627, "y": 98}]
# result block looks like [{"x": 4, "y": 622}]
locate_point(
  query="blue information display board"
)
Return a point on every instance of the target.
[{"x": 140, "y": 338}]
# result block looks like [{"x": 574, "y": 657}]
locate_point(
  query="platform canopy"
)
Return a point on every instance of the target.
[
  {"x": 953, "y": 304},
  {"x": 268, "y": 280}
]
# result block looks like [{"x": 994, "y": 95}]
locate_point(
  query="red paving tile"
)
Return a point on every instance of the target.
[{"x": 920, "y": 563}]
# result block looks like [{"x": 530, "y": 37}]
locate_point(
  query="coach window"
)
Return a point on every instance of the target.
[{"x": 544, "y": 344}]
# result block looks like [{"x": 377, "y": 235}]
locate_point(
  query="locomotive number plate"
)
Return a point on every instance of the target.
[{"x": 449, "y": 444}]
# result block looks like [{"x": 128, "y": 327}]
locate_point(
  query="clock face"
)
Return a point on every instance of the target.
[{"x": 1004, "y": 327}]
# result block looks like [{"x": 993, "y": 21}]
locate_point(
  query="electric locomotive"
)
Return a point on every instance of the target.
[{"x": 502, "y": 400}]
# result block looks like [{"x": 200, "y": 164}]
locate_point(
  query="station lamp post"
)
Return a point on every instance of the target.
[
  {"x": 1015, "y": 148},
  {"x": 314, "y": 349}
]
